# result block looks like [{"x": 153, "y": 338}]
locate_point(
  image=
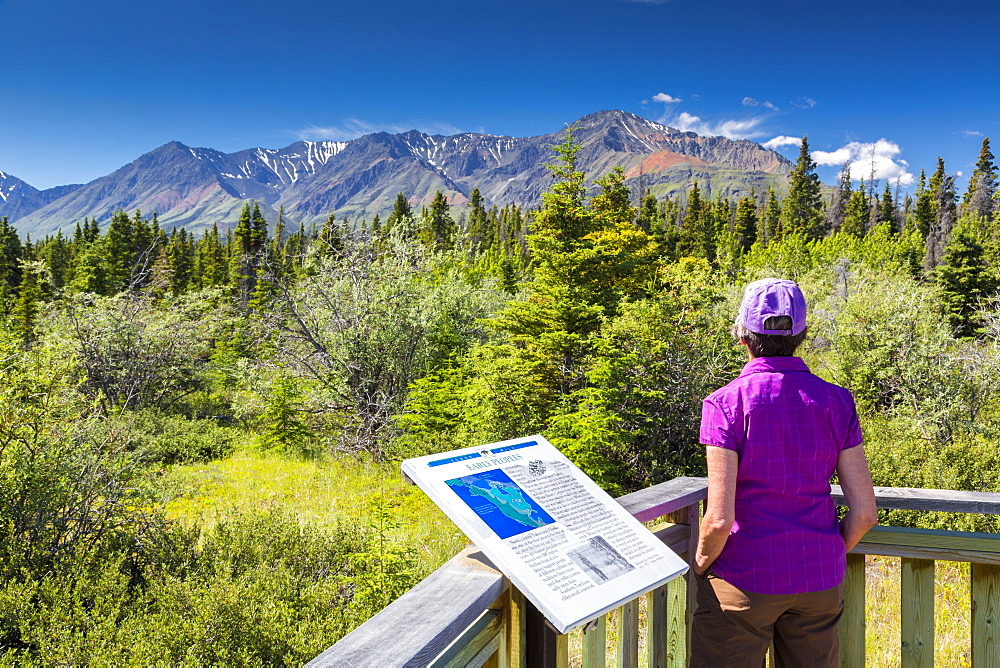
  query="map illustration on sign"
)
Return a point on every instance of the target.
[{"x": 500, "y": 502}]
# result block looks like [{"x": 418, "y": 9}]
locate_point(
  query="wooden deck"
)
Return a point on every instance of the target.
[{"x": 467, "y": 614}]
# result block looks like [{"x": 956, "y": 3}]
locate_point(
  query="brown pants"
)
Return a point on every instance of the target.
[{"x": 733, "y": 627}]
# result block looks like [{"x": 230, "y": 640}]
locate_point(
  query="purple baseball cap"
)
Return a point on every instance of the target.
[{"x": 770, "y": 297}]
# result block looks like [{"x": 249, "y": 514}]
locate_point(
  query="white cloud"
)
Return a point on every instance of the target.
[
  {"x": 972, "y": 133},
  {"x": 876, "y": 160},
  {"x": 751, "y": 102},
  {"x": 803, "y": 103},
  {"x": 353, "y": 128},
  {"x": 782, "y": 140},
  {"x": 666, "y": 99},
  {"x": 732, "y": 129}
]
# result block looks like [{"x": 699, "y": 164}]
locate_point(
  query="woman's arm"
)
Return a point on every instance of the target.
[
  {"x": 856, "y": 483},
  {"x": 720, "y": 510}
]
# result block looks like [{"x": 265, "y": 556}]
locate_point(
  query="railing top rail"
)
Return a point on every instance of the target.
[{"x": 946, "y": 500}]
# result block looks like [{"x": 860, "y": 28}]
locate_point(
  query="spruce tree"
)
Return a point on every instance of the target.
[
  {"x": 401, "y": 218},
  {"x": 923, "y": 209},
  {"x": 887, "y": 212},
  {"x": 563, "y": 310},
  {"x": 745, "y": 224},
  {"x": 770, "y": 219},
  {"x": 437, "y": 229},
  {"x": 945, "y": 215},
  {"x": 476, "y": 231},
  {"x": 857, "y": 213},
  {"x": 964, "y": 279},
  {"x": 697, "y": 232},
  {"x": 979, "y": 198},
  {"x": 802, "y": 210},
  {"x": 650, "y": 218}
]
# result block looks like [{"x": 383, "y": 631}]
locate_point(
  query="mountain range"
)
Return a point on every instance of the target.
[{"x": 196, "y": 187}]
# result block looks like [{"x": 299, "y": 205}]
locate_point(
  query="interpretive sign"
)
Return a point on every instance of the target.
[{"x": 567, "y": 545}]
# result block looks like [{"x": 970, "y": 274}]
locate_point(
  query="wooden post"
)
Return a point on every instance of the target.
[
  {"x": 917, "y": 612},
  {"x": 628, "y": 635},
  {"x": 677, "y": 628},
  {"x": 562, "y": 651},
  {"x": 691, "y": 517},
  {"x": 985, "y": 615},
  {"x": 515, "y": 612},
  {"x": 540, "y": 639},
  {"x": 656, "y": 637},
  {"x": 852, "y": 623},
  {"x": 595, "y": 644}
]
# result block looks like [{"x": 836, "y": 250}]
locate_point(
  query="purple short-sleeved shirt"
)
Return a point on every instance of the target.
[{"x": 788, "y": 428}]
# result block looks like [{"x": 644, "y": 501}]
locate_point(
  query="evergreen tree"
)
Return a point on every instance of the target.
[
  {"x": 612, "y": 206},
  {"x": 562, "y": 311},
  {"x": 887, "y": 212},
  {"x": 401, "y": 218},
  {"x": 210, "y": 266},
  {"x": 331, "y": 237},
  {"x": 964, "y": 279},
  {"x": 745, "y": 224},
  {"x": 11, "y": 253},
  {"x": 25, "y": 312},
  {"x": 770, "y": 219},
  {"x": 697, "y": 233},
  {"x": 240, "y": 249},
  {"x": 923, "y": 209},
  {"x": 650, "y": 218},
  {"x": 437, "y": 228},
  {"x": 944, "y": 205},
  {"x": 119, "y": 244},
  {"x": 802, "y": 210},
  {"x": 857, "y": 213},
  {"x": 979, "y": 198},
  {"x": 476, "y": 230}
]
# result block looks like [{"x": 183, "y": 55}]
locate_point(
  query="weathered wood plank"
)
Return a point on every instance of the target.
[
  {"x": 674, "y": 536},
  {"x": 514, "y": 626},
  {"x": 852, "y": 623},
  {"x": 482, "y": 640},
  {"x": 933, "y": 538},
  {"x": 656, "y": 638},
  {"x": 676, "y": 626},
  {"x": 562, "y": 651},
  {"x": 464, "y": 586},
  {"x": 985, "y": 615},
  {"x": 628, "y": 635},
  {"x": 595, "y": 643},
  {"x": 931, "y": 544},
  {"x": 694, "y": 511},
  {"x": 927, "y": 553},
  {"x": 667, "y": 497},
  {"x": 917, "y": 611},
  {"x": 947, "y": 500}
]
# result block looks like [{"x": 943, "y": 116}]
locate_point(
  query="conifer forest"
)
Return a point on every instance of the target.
[{"x": 140, "y": 364}]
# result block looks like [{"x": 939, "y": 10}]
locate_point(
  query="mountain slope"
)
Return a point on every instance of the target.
[{"x": 198, "y": 186}]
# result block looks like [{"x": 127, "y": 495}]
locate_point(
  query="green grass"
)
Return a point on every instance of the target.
[{"x": 317, "y": 493}]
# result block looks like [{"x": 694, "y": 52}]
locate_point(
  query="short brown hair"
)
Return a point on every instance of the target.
[{"x": 771, "y": 345}]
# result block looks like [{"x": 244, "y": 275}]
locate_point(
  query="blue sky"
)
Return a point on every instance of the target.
[{"x": 86, "y": 87}]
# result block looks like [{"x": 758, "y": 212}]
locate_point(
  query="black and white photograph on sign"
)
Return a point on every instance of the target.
[{"x": 599, "y": 560}]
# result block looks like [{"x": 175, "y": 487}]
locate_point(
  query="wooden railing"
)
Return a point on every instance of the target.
[{"x": 467, "y": 614}]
